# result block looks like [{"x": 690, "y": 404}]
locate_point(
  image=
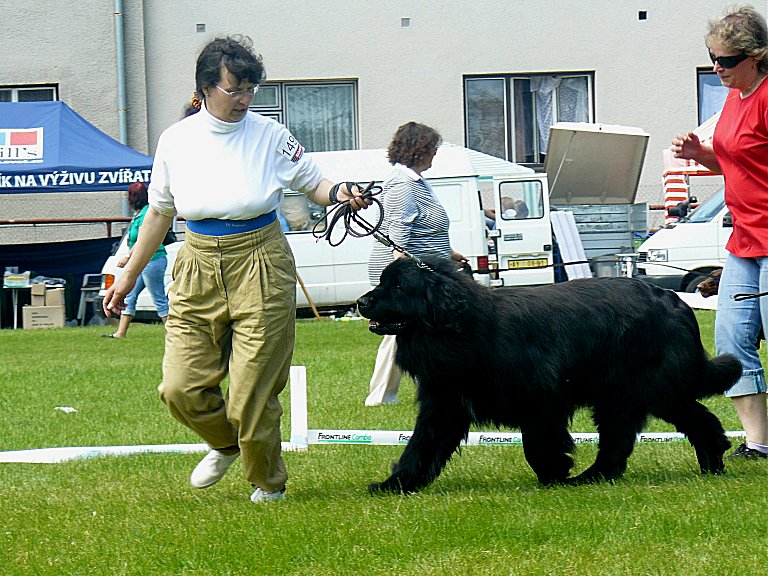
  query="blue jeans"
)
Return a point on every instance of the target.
[
  {"x": 738, "y": 323},
  {"x": 153, "y": 278}
]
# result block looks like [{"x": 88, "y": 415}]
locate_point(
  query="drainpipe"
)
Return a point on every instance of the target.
[{"x": 122, "y": 104}]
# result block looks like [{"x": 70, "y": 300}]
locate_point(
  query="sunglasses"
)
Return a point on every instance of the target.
[{"x": 728, "y": 61}]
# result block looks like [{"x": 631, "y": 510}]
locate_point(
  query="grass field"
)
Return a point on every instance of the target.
[{"x": 486, "y": 515}]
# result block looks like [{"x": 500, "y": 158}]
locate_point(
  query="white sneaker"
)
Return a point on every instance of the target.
[
  {"x": 260, "y": 496},
  {"x": 211, "y": 469}
]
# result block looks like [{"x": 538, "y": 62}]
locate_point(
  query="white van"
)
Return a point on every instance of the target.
[
  {"x": 679, "y": 256},
  {"x": 335, "y": 277}
]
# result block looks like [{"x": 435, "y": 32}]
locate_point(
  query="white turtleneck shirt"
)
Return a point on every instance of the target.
[{"x": 207, "y": 168}]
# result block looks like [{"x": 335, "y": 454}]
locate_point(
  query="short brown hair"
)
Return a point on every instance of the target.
[{"x": 412, "y": 143}]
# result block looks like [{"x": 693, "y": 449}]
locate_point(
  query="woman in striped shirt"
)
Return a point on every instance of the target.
[{"x": 415, "y": 220}]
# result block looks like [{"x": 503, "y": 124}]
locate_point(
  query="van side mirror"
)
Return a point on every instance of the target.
[
  {"x": 682, "y": 208},
  {"x": 727, "y": 220}
]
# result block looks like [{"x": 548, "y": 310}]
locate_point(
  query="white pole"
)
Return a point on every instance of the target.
[{"x": 298, "y": 407}]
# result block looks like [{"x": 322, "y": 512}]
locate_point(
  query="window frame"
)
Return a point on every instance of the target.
[
  {"x": 16, "y": 88},
  {"x": 280, "y": 111},
  {"x": 510, "y": 119}
]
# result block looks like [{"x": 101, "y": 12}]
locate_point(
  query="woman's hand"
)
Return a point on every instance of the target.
[
  {"x": 114, "y": 299},
  {"x": 123, "y": 261},
  {"x": 687, "y": 146},
  {"x": 353, "y": 196}
]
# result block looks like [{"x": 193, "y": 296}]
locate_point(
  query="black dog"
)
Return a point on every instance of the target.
[{"x": 528, "y": 357}]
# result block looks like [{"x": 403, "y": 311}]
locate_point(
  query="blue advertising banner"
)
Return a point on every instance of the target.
[{"x": 48, "y": 147}]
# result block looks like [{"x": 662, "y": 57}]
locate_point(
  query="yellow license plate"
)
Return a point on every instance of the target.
[{"x": 535, "y": 263}]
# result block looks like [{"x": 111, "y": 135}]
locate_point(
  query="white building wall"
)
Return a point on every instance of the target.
[
  {"x": 72, "y": 44},
  {"x": 645, "y": 70}
]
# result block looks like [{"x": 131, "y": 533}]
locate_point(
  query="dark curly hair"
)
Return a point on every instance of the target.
[
  {"x": 137, "y": 195},
  {"x": 412, "y": 143},
  {"x": 233, "y": 52}
]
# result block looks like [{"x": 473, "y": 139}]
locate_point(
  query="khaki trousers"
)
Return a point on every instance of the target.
[
  {"x": 385, "y": 380},
  {"x": 232, "y": 311}
]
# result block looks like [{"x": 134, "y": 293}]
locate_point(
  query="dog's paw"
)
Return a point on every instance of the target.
[{"x": 386, "y": 487}]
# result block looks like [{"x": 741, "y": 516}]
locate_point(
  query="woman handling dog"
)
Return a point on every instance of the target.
[
  {"x": 415, "y": 220},
  {"x": 233, "y": 297},
  {"x": 738, "y": 48}
]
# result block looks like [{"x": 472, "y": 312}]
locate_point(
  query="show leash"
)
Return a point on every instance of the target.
[{"x": 355, "y": 225}]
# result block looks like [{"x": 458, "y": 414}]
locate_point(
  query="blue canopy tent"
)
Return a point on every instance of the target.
[{"x": 46, "y": 147}]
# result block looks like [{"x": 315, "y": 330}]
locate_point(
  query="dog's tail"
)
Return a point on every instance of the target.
[{"x": 720, "y": 374}]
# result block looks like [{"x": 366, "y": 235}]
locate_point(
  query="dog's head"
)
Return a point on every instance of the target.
[{"x": 410, "y": 296}]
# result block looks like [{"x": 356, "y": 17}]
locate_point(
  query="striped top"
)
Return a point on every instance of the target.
[{"x": 413, "y": 219}]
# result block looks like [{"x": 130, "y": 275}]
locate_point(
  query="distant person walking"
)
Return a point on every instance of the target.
[
  {"x": 152, "y": 277},
  {"x": 415, "y": 220}
]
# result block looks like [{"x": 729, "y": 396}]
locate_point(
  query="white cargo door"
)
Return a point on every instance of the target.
[{"x": 524, "y": 242}]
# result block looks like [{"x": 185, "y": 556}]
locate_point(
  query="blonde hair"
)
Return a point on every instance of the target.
[{"x": 742, "y": 29}]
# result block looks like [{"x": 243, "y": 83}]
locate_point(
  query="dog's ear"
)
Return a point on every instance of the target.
[{"x": 446, "y": 302}]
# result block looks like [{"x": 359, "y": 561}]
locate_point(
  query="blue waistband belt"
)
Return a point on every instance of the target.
[{"x": 216, "y": 227}]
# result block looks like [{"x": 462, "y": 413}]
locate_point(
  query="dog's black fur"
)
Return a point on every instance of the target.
[{"x": 527, "y": 358}]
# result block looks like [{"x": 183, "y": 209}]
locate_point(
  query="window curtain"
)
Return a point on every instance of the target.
[
  {"x": 712, "y": 100},
  {"x": 322, "y": 117},
  {"x": 572, "y": 100},
  {"x": 572, "y": 103},
  {"x": 544, "y": 89}
]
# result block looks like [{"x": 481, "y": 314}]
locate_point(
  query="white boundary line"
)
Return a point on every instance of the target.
[{"x": 302, "y": 437}]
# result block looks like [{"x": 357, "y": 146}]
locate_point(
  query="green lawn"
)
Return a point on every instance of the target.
[{"x": 485, "y": 515}]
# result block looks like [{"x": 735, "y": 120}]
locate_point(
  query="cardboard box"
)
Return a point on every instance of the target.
[
  {"x": 38, "y": 294},
  {"x": 54, "y": 297},
  {"x": 42, "y": 317}
]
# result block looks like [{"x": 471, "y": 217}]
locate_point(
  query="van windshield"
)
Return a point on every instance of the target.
[{"x": 709, "y": 209}]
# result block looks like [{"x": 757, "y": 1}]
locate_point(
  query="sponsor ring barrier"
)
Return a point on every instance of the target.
[{"x": 301, "y": 437}]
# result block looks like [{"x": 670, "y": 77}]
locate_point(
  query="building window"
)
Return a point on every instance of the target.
[
  {"x": 322, "y": 115},
  {"x": 27, "y": 93},
  {"x": 509, "y": 115},
  {"x": 712, "y": 94}
]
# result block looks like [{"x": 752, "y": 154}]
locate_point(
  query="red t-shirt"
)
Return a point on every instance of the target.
[{"x": 741, "y": 147}]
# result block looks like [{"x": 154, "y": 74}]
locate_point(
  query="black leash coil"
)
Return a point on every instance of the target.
[{"x": 353, "y": 223}]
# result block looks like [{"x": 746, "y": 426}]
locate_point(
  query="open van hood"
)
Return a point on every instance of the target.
[{"x": 594, "y": 163}]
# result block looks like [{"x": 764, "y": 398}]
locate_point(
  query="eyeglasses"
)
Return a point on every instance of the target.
[
  {"x": 728, "y": 61},
  {"x": 239, "y": 94}
]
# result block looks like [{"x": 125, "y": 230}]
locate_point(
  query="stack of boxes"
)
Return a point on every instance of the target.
[{"x": 47, "y": 308}]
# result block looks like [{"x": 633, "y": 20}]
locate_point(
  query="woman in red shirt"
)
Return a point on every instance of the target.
[{"x": 738, "y": 48}]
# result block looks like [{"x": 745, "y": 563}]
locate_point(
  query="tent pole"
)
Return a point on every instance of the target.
[{"x": 120, "y": 55}]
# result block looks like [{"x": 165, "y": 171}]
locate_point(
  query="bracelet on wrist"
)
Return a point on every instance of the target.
[{"x": 333, "y": 195}]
